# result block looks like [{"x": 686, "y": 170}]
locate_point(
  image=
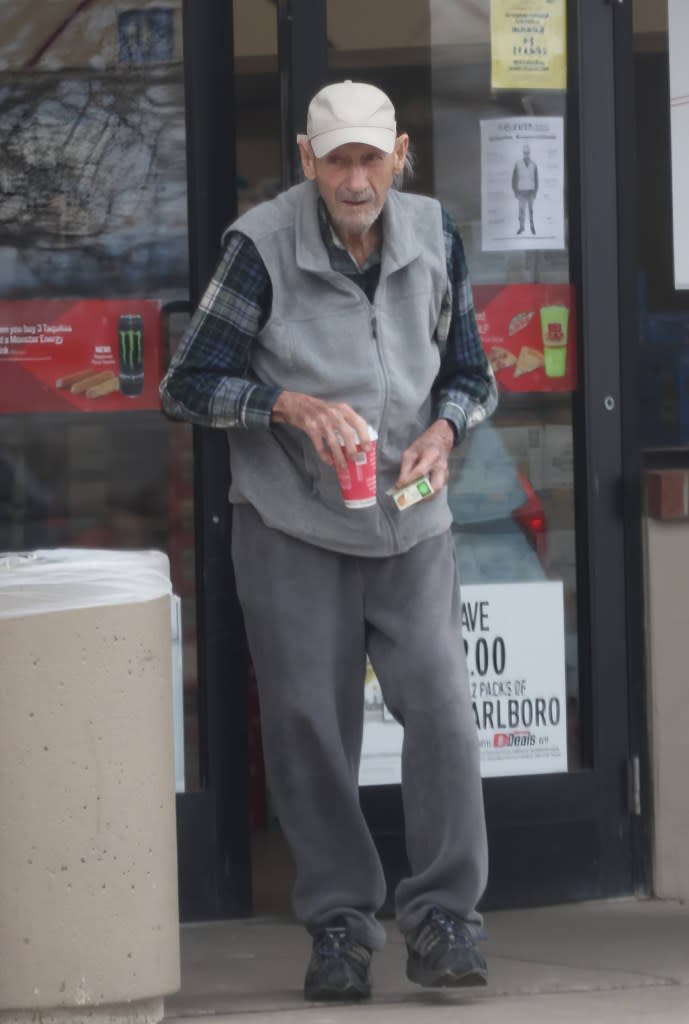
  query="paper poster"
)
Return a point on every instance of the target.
[
  {"x": 514, "y": 637},
  {"x": 522, "y": 184},
  {"x": 528, "y": 44},
  {"x": 79, "y": 356},
  {"x": 678, "y": 15},
  {"x": 529, "y": 334}
]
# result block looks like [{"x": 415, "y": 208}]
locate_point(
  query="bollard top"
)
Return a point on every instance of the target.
[{"x": 65, "y": 579}]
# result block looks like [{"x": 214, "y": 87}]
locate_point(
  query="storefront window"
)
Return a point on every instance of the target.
[
  {"x": 492, "y": 147},
  {"x": 93, "y": 267},
  {"x": 662, "y": 116},
  {"x": 257, "y": 103}
]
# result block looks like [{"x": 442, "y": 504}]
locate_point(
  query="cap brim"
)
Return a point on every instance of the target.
[{"x": 380, "y": 138}]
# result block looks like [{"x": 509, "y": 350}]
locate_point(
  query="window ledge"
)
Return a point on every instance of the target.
[{"x": 667, "y": 494}]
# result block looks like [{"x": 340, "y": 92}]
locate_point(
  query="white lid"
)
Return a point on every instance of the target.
[{"x": 65, "y": 579}]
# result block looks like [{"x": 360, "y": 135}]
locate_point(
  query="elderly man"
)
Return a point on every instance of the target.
[{"x": 341, "y": 304}]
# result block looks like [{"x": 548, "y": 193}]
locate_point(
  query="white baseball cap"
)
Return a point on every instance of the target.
[{"x": 350, "y": 112}]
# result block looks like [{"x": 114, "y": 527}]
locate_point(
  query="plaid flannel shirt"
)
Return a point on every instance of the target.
[{"x": 206, "y": 382}]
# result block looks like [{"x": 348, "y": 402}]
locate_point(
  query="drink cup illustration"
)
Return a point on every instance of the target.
[
  {"x": 554, "y": 324},
  {"x": 131, "y": 352},
  {"x": 358, "y": 477}
]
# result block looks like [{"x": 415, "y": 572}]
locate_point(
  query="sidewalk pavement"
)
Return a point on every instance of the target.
[{"x": 598, "y": 962}]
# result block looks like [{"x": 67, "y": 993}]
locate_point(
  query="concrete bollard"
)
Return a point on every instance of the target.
[{"x": 89, "y": 924}]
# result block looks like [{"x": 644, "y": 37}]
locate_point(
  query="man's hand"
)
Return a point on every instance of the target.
[
  {"x": 327, "y": 424},
  {"x": 428, "y": 455}
]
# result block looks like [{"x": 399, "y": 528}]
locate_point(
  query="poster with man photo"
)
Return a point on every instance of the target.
[{"x": 522, "y": 184}]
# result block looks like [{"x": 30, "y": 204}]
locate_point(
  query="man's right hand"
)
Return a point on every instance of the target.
[{"x": 327, "y": 424}]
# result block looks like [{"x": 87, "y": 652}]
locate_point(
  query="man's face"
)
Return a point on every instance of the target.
[
  {"x": 353, "y": 181},
  {"x": 527, "y": 153}
]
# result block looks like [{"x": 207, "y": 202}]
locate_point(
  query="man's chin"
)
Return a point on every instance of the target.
[{"x": 356, "y": 222}]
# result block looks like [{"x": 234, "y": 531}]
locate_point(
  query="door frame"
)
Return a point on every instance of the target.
[
  {"x": 632, "y": 452},
  {"x": 213, "y": 823}
]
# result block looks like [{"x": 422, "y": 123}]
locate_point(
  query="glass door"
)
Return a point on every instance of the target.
[
  {"x": 94, "y": 293},
  {"x": 504, "y": 120}
]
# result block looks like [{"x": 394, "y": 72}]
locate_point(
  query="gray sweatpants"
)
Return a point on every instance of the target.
[{"x": 311, "y": 616}]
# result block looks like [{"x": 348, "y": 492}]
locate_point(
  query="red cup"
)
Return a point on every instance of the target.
[{"x": 358, "y": 477}]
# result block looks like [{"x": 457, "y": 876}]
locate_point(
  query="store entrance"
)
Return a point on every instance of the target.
[{"x": 535, "y": 493}]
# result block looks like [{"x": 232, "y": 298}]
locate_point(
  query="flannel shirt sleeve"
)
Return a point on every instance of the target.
[
  {"x": 206, "y": 382},
  {"x": 465, "y": 391}
]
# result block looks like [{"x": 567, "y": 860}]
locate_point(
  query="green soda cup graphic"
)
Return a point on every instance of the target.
[
  {"x": 131, "y": 350},
  {"x": 554, "y": 323}
]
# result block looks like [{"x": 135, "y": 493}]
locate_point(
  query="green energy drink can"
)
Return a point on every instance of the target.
[{"x": 131, "y": 350}]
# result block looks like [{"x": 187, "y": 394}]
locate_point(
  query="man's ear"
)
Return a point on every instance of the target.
[
  {"x": 308, "y": 160},
  {"x": 399, "y": 154}
]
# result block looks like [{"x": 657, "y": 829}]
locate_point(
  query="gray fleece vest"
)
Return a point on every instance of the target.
[{"x": 326, "y": 339}]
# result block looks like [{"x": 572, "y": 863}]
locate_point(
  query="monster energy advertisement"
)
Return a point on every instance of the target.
[
  {"x": 131, "y": 348},
  {"x": 80, "y": 355}
]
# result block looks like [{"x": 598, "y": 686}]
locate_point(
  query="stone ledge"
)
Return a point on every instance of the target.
[
  {"x": 142, "y": 1011},
  {"x": 667, "y": 494}
]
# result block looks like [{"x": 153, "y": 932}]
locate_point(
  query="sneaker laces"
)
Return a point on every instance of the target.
[
  {"x": 440, "y": 926},
  {"x": 336, "y": 942},
  {"x": 454, "y": 931}
]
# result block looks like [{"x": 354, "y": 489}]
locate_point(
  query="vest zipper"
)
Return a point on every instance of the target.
[{"x": 376, "y": 340}]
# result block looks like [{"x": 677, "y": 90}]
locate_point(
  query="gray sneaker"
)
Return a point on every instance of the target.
[
  {"x": 442, "y": 953},
  {"x": 339, "y": 968}
]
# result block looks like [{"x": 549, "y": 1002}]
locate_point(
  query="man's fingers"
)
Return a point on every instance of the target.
[
  {"x": 357, "y": 427},
  {"x": 351, "y": 430},
  {"x": 326, "y": 439},
  {"x": 429, "y": 461},
  {"x": 409, "y": 467},
  {"x": 438, "y": 477},
  {"x": 322, "y": 449},
  {"x": 330, "y": 426},
  {"x": 334, "y": 438},
  {"x": 428, "y": 457}
]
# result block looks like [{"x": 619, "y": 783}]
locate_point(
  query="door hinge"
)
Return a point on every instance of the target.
[{"x": 635, "y": 786}]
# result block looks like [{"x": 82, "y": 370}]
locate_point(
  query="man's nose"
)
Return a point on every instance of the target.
[{"x": 358, "y": 179}]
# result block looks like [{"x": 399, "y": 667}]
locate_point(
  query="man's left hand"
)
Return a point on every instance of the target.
[{"x": 428, "y": 456}]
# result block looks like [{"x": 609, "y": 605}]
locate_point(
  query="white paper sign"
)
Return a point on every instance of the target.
[
  {"x": 515, "y": 639},
  {"x": 678, "y": 15},
  {"x": 522, "y": 183},
  {"x": 515, "y": 643}
]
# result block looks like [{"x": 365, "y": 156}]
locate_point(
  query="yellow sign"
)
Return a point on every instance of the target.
[{"x": 528, "y": 44}]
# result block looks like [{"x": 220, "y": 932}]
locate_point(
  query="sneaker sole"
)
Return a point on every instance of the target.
[
  {"x": 471, "y": 978},
  {"x": 351, "y": 994}
]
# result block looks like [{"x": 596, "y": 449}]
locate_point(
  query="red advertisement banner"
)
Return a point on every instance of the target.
[
  {"x": 529, "y": 335},
  {"x": 80, "y": 355}
]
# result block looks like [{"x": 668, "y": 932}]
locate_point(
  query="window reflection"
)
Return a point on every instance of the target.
[
  {"x": 664, "y": 309},
  {"x": 93, "y": 206}
]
